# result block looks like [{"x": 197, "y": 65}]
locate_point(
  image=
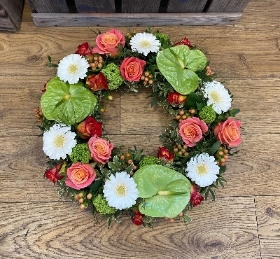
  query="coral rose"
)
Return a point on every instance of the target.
[
  {"x": 110, "y": 42},
  {"x": 132, "y": 69},
  {"x": 228, "y": 132},
  {"x": 100, "y": 149},
  {"x": 164, "y": 153},
  {"x": 191, "y": 130},
  {"x": 80, "y": 175},
  {"x": 97, "y": 82},
  {"x": 89, "y": 127}
]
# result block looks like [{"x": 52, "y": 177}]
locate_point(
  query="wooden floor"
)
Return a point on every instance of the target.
[{"x": 243, "y": 222}]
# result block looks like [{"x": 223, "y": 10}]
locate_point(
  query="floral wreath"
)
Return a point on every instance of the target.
[{"x": 196, "y": 144}]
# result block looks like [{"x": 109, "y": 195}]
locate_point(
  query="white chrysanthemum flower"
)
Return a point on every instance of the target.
[
  {"x": 202, "y": 169},
  {"x": 120, "y": 191},
  {"x": 218, "y": 96},
  {"x": 71, "y": 68},
  {"x": 58, "y": 141},
  {"x": 144, "y": 43}
]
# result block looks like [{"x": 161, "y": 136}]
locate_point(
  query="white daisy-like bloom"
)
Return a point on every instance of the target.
[
  {"x": 59, "y": 141},
  {"x": 144, "y": 43},
  {"x": 120, "y": 191},
  {"x": 218, "y": 96},
  {"x": 72, "y": 68},
  {"x": 202, "y": 169}
]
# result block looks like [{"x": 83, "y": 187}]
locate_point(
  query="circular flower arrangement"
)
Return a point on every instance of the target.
[{"x": 86, "y": 165}]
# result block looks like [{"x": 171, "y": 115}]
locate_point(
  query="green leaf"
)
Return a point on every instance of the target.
[
  {"x": 95, "y": 185},
  {"x": 67, "y": 103},
  {"x": 165, "y": 192},
  {"x": 192, "y": 100},
  {"x": 178, "y": 65},
  {"x": 214, "y": 148},
  {"x": 233, "y": 112}
]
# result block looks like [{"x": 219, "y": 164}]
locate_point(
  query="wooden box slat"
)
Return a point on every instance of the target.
[
  {"x": 229, "y": 6},
  {"x": 186, "y": 6},
  {"x": 141, "y": 13},
  {"x": 92, "y": 6},
  {"x": 120, "y": 19},
  {"x": 10, "y": 14},
  {"x": 48, "y": 6}
]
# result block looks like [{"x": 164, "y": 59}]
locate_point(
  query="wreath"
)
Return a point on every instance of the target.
[{"x": 85, "y": 165}]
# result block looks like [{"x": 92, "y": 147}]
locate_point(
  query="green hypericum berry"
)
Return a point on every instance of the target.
[
  {"x": 207, "y": 114},
  {"x": 113, "y": 76},
  {"x": 149, "y": 160},
  {"x": 102, "y": 205},
  {"x": 80, "y": 153}
]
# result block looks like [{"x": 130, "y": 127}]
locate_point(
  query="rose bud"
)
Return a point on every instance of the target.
[
  {"x": 137, "y": 219},
  {"x": 196, "y": 197},
  {"x": 97, "y": 82},
  {"x": 175, "y": 98},
  {"x": 164, "y": 153},
  {"x": 89, "y": 127},
  {"x": 53, "y": 174},
  {"x": 83, "y": 49},
  {"x": 184, "y": 41}
]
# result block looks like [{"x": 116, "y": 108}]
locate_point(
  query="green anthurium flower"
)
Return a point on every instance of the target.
[
  {"x": 165, "y": 192},
  {"x": 67, "y": 103},
  {"x": 178, "y": 65}
]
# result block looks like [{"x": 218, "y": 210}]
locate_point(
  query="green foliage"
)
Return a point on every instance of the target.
[
  {"x": 80, "y": 153},
  {"x": 113, "y": 75},
  {"x": 102, "y": 206},
  {"x": 149, "y": 160}
]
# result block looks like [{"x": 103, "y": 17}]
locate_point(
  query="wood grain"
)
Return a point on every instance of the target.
[
  {"x": 268, "y": 215},
  {"x": 243, "y": 222},
  {"x": 59, "y": 230}
]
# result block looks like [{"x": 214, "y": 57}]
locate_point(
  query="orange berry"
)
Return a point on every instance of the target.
[
  {"x": 122, "y": 157},
  {"x": 146, "y": 73},
  {"x": 80, "y": 195},
  {"x": 89, "y": 196},
  {"x": 171, "y": 220},
  {"x": 82, "y": 206},
  {"x": 181, "y": 112},
  {"x": 221, "y": 153},
  {"x": 81, "y": 200},
  {"x": 134, "y": 167},
  {"x": 181, "y": 214},
  {"x": 178, "y": 117},
  {"x": 226, "y": 157},
  {"x": 150, "y": 81},
  {"x": 129, "y": 161}
]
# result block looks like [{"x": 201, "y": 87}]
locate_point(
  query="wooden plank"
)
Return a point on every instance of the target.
[
  {"x": 59, "y": 230},
  {"x": 228, "y": 6},
  {"x": 140, "y": 6},
  {"x": 92, "y": 6},
  {"x": 186, "y": 6},
  {"x": 11, "y": 13},
  {"x": 48, "y": 6},
  {"x": 268, "y": 217},
  {"x": 126, "y": 19}
]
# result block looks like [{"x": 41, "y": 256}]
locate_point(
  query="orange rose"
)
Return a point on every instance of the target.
[
  {"x": 228, "y": 132},
  {"x": 132, "y": 69},
  {"x": 109, "y": 43},
  {"x": 191, "y": 130},
  {"x": 100, "y": 149},
  {"x": 80, "y": 176}
]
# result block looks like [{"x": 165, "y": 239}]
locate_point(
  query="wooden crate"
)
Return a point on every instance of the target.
[
  {"x": 10, "y": 14},
  {"x": 136, "y": 12}
]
